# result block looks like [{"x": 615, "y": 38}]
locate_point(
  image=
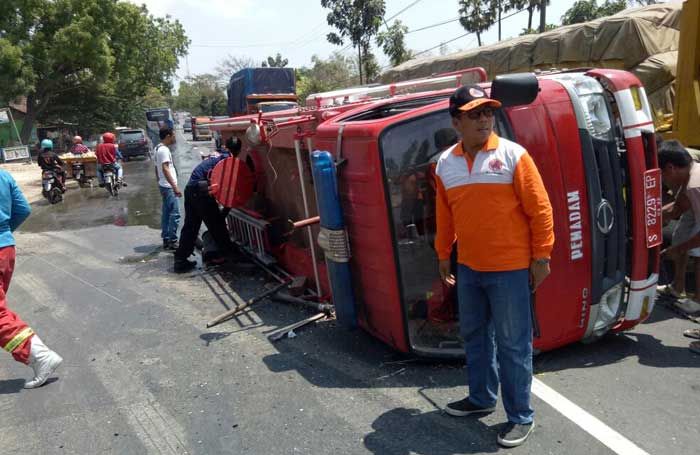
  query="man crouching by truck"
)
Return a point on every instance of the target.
[
  {"x": 682, "y": 175},
  {"x": 492, "y": 202},
  {"x": 201, "y": 206}
]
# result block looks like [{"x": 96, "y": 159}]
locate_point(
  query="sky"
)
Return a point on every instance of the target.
[{"x": 297, "y": 29}]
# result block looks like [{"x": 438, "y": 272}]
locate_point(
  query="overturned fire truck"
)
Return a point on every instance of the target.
[{"x": 363, "y": 159}]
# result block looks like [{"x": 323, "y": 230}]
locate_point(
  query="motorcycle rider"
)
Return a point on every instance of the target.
[
  {"x": 108, "y": 153},
  {"x": 48, "y": 160},
  {"x": 78, "y": 148}
]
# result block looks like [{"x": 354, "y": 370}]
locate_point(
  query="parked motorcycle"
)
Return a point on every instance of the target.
[
  {"x": 112, "y": 184},
  {"x": 50, "y": 187},
  {"x": 79, "y": 174}
]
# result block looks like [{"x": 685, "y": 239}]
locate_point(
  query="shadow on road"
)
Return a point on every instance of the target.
[
  {"x": 9, "y": 386},
  {"x": 408, "y": 431},
  {"x": 648, "y": 350}
]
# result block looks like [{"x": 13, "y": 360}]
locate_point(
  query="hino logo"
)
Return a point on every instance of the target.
[
  {"x": 605, "y": 217},
  {"x": 573, "y": 201}
]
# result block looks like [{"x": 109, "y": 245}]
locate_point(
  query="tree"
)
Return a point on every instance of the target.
[
  {"x": 393, "y": 45},
  {"x": 370, "y": 67},
  {"x": 336, "y": 72},
  {"x": 532, "y": 31},
  {"x": 275, "y": 62},
  {"x": 232, "y": 64},
  {"x": 84, "y": 60},
  {"x": 543, "y": 15},
  {"x": 475, "y": 16},
  {"x": 588, "y": 10},
  {"x": 530, "y": 5},
  {"x": 581, "y": 11},
  {"x": 356, "y": 21},
  {"x": 611, "y": 7},
  {"x": 202, "y": 94}
]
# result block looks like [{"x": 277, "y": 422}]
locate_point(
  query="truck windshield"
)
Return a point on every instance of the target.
[
  {"x": 410, "y": 151},
  {"x": 276, "y": 107}
]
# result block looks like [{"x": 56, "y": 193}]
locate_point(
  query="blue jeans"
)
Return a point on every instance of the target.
[
  {"x": 496, "y": 323},
  {"x": 100, "y": 174},
  {"x": 170, "y": 218}
]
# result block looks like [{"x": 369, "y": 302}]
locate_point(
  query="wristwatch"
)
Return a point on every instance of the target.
[{"x": 541, "y": 261}]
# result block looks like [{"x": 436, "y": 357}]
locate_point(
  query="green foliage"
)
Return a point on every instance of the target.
[
  {"x": 611, "y": 7},
  {"x": 201, "y": 95},
  {"x": 476, "y": 16},
  {"x": 336, "y": 72},
  {"x": 588, "y": 10},
  {"x": 276, "y": 62},
  {"x": 532, "y": 31},
  {"x": 530, "y": 5},
  {"x": 393, "y": 45},
  {"x": 356, "y": 21},
  {"x": 370, "y": 66},
  {"x": 85, "y": 61}
]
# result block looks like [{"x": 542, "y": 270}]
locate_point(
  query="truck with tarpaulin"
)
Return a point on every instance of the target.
[{"x": 251, "y": 88}]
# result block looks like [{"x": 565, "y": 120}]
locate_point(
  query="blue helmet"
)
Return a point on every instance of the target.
[{"x": 47, "y": 144}]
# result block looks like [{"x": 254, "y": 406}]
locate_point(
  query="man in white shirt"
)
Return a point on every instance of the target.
[{"x": 166, "y": 174}]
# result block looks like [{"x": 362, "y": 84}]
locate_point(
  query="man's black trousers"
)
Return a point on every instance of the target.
[{"x": 200, "y": 206}]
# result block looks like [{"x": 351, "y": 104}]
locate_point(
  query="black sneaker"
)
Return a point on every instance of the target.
[
  {"x": 184, "y": 265},
  {"x": 170, "y": 245},
  {"x": 514, "y": 434},
  {"x": 465, "y": 407}
]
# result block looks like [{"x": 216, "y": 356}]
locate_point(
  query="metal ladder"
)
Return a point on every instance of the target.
[{"x": 250, "y": 234}]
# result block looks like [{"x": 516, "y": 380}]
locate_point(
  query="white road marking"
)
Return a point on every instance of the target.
[{"x": 590, "y": 424}]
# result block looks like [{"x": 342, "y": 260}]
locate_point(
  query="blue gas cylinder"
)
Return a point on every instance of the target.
[{"x": 333, "y": 237}]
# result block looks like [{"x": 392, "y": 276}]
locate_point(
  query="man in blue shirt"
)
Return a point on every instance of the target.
[
  {"x": 16, "y": 337},
  {"x": 201, "y": 206}
]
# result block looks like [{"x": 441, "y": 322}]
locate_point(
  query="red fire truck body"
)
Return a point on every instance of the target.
[{"x": 591, "y": 136}]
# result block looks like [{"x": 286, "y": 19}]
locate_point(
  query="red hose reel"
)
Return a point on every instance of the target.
[{"x": 232, "y": 182}]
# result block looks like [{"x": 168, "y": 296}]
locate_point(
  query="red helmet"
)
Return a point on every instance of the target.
[
  {"x": 77, "y": 140},
  {"x": 108, "y": 138}
]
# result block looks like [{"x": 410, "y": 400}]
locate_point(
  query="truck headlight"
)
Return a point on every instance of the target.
[
  {"x": 608, "y": 309},
  {"x": 595, "y": 109},
  {"x": 597, "y": 116}
]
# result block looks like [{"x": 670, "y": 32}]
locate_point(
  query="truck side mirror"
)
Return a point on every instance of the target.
[{"x": 515, "y": 89}]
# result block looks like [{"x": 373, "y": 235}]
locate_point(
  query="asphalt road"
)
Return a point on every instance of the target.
[{"x": 143, "y": 375}]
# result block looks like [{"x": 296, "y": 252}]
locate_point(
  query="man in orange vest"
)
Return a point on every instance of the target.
[{"x": 491, "y": 200}]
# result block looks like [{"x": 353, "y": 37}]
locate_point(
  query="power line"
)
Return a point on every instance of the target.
[
  {"x": 402, "y": 11},
  {"x": 433, "y": 25},
  {"x": 468, "y": 33}
]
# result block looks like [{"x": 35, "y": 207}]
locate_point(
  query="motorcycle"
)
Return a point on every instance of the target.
[
  {"x": 112, "y": 184},
  {"x": 79, "y": 174},
  {"x": 50, "y": 188}
]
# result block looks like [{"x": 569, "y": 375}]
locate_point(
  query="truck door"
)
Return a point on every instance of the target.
[{"x": 409, "y": 151}]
